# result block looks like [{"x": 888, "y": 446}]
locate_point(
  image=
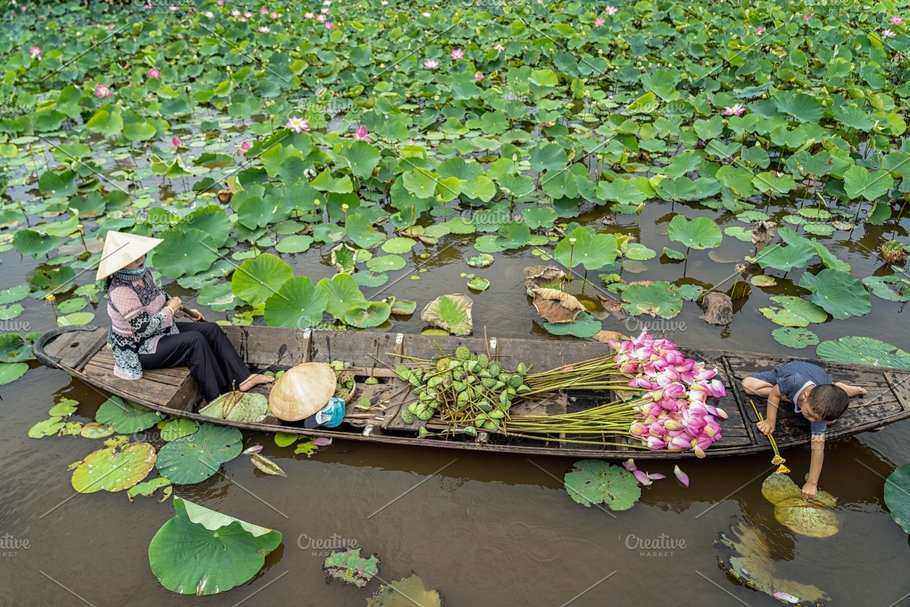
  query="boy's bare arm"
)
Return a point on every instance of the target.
[
  {"x": 767, "y": 426},
  {"x": 810, "y": 489},
  {"x": 850, "y": 390}
]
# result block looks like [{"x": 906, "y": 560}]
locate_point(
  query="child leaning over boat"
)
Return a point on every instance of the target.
[{"x": 815, "y": 396}]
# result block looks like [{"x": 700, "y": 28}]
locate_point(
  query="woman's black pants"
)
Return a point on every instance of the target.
[{"x": 205, "y": 349}]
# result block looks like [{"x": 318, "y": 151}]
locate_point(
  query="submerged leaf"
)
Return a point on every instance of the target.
[
  {"x": 594, "y": 482},
  {"x": 266, "y": 465},
  {"x": 814, "y": 518},
  {"x": 405, "y": 593},
  {"x": 348, "y": 566},
  {"x": 114, "y": 469}
]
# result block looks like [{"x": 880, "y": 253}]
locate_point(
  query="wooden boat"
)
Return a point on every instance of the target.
[{"x": 83, "y": 353}]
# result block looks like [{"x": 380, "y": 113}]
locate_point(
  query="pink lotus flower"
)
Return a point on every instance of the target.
[
  {"x": 599, "y": 22},
  {"x": 807, "y": 17},
  {"x": 610, "y": 9},
  {"x": 297, "y": 124},
  {"x": 361, "y": 133},
  {"x": 629, "y": 465},
  {"x": 655, "y": 444},
  {"x": 263, "y": 10},
  {"x": 263, "y": 29},
  {"x": 320, "y": 18},
  {"x": 681, "y": 476},
  {"x": 478, "y": 76},
  {"x": 329, "y": 25},
  {"x": 499, "y": 47},
  {"x": 734, "y": 110},
  {"x": 887, "y": 34},
  {"x": 245, "y": 146},
  {"x": 897, "y": 20},
  {"x": 176, "y": 142},
  {"x": 308, "y": 15},
  {"x": 431, "y": 64},
  {"x": 274, "y": 15},
  {"x": 102, "y": 91},
  {"x": 153, "y": 74},
  {"x": 457, "y": 54},
  {"x": 760, "y": 30},
  {"x": 35, "y": 52}
]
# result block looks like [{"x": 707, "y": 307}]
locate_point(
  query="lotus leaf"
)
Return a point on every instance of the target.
[
  {"x": 795, "y": 337},
  {"x": 10, "y": 372},
  {"x": 202, "y": 552},
  {"x": 148, "y": 488},
  {"x": 794, "y": 312},
  {"x": 556, "y": 306},
  {"x": 814, "y": 518},
  {"x": 236, "y": 406},
  {"x": 185, "y": 251},
  {"x": 451, "y": 313},
  {"x": 124, "y": 417},
  {"x": 114, "y": 468},
  {"x": 367, "y": 314},
  {"x": 46, "y": 427},
  {"x": 399, "y": 245},
  {"x": 897, "y": 496},
  {"x": 482, "y": 260},
  {"x": 386, "y": 263},
  {"x": 294, "y": 244},
  {"x": 297, "y": 304},
  {"x": 863, "y": 351},
  {"x": 697, "y": 233},
  {"x": 891, "y": 288},
  {"x": 14, "y": 348},
  {"x": 63, "y": 407},
  {"x": 405, "y": 593},
  {"x": 258, "y": 279},
  {"x": 348, "y": 566},
  {"x": 196, "y": 457},
  {"x": 403, "y": 307},
  {"x": 598, "y": 482},
  {"x": 94, "y": 430},
  {"x": 655, "y": 299},
  {"x": 584, "y": 327},
  {"x": 838, "y": 293},
  {"x": 583, "y": 246},
  {"x": 77, "y": 319}
]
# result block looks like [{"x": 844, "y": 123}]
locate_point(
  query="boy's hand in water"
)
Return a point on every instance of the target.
[
  {"x": 810, "y": 490},
  {"x": 765, "y": 427}
]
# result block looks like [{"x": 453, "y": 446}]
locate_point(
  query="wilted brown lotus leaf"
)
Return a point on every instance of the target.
[
  {"x": 542, "y": 276},
  {"x": 762, "y": 233},
  {"x": 556, "y": 306}
]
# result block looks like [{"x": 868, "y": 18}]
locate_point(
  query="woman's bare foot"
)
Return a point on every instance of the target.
[{"x": 254, "y": 380}]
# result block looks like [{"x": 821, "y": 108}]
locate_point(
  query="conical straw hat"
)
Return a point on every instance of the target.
[
  {"x": 302, "y": 391},
  {"x": 122, "y": 249}
]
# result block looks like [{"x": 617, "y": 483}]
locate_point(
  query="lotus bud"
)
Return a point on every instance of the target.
[
  {"x": 655, "y": 444},
  {"x": 344, "y": 207},
  {"x": 699, "y": 452},
  {"x": 637, "y": 429},
  {"x": 673, "y": 425},
  {"x": 678, "y": 443},
  {"x": 629, "y": 465}
]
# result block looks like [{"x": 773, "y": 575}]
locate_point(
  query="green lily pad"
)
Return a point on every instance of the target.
[
  {"x": 794, "y": 312},
  {"x": 148, "y": 488},
  {"x": 173, "y": 429},
  {"x": 813, "y": 518},
  {"x": 897, "y": 496},
  {"x": 399, "y": 245},
  {"x": 202, "y": 552},
  {"x": 863, "y": 351},
  {"x": 451, "y": 313},
  {"x": 403, "y": 307},
  {"x": 697, "y": 233},
  {"x": 348, "y": 566},
  {"x": 113, "y": 468},
  {"x": 594, "y": 481},
  {"x": 405, "y": 593},
  {"x": 891, "y": 288},
  {"x": 838, "y": 293},
  {"x": 367, "y": 314},
  {"x": 386, "y": 263},
  {"x": 94, "y": 431},
  {"x": 482, "y": 260},
  {"x": 185, "y": 251},
  {"x": 76, "y": 319},
  {"x": 64, "y": 407},
  {"x": 46, "y": 427},
  {"x": 196, "y": 457},
  {"x": 14, "y": 348},
  {"x": 478, "y": 283},
  {"x": 297, "y": 304},
  {"x": 124, "y": 417},
  {"x": 659, "y": 298},
  {"x": 584, "y": 326},
  {"x": 583, "y": 246},
  {"x": 236, "y": 406},
  {"x": 795, "y": 337},
  {"x": 294, "y": 244},
  {"x": 258, "y": 279},
  {"x": 10, "y": 372}
]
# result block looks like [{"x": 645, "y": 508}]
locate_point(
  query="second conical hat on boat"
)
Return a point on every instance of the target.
[{"x": 302, "y": 391}]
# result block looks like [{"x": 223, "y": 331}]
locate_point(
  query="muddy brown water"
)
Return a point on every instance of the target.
[{"x": 482, "y": 529}]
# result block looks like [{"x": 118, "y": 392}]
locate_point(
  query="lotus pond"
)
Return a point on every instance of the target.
[{"x": 400, "y": 166}]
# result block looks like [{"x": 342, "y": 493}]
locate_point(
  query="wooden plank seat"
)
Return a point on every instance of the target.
[{"x": 173, "y": 387}]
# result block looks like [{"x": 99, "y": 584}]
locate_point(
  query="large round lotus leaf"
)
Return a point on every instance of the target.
[
  {"x": 813, "y": 518},
  {"x": 794, "y": 337},
  {"x": 76, "y": 319},
  {"x": 114, "y": 468},
  {"x": 201, "y": 552},
  {"x": 196, "y": 457},
  {"x": 10, "y": 372},
  {"x": 367, "y": 314},
  {"x": 63, "y": 407},
  {"x": 94, "y": 430},
  {"x": 14, "y": 348},
  {"x": 236, "y": 406},
  {"x": 260, "y": 278},
  {"x": 213, "y": 221},
  {"x": 584, "y": 326},
  {"x": 294, "y": 244},
  {"x": 343, "y": 294},
  {"x": 185, "y": 251},
  {"x": 297, "y": 304},
  {"x": 348, "y": 566},
  {"x": 405, "y": 593},
  {"x": 125, "y": 418},
  {"x": 897, "y": 496},
  {"x": 386, "y": 263},
  {"x": 838, "y": 293},
  {"x": 399, "y": 245},
  {"x": 892, "y": 288},
  {"x": 46, "y": 427},
  {"x": 177, "y": 428},
  {"x": 794, "y": 312},
  {"x": 482, "y": 260},
  {"x": 583, "y": 246},
  {"x": 594, "y": 481},
  {"x": 864, "y": 351},
  {"x": 14, "y": 294},
  {"x": 451, "y": 313},
  {"x": 697, "y": 233},
  {"x": 658, "y": 298}
]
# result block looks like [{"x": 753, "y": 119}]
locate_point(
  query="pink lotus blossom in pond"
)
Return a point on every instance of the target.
[
  {"x": 153, "y": 73},
  {"x": 361, "y": 133},
  {"x": 308, "y": 15},
  {"x": 320, "y": 18},
  {"x": 478, "y": 76},
  {"x": 209, "y": 14},
  {"x": 274, "y": 15},
  {"x": 176, "y": 141},
  {"x": 897, "y": 20},
  {"x": 760, "y": 30},
  {"x": 887, "y": 34},
  {"x": 807, "y": 17},
  {"x": 245, "y": 146},
  {"x": 297, "y": 124},
  {"x": 734, "y": 110},
  {"x": 35, "y": 52},
  {"x": 599, "y": 22},
  {"x": 102, "y": 91},
  {"x": 329, "y": 25},
  {"x": 220, "y": 2},
  {"x": 263, "y": 29},
  {"x": 431, "y": 64},
  {"x": 499, "y": 47},
  {"x": 611, "y": 10},
  {"x": 457, "y": 54},
  {"x": 263, "y": 10}
]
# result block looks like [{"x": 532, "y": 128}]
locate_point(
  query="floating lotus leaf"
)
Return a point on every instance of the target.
[
  {"x": 236, "y": 406},
  {"x": 795, "y": 337},
  {"x": 451, "y": 313},
  {"x": 294, "y": 244},
  {"x": 14, "y": 348},
  {"x": 10, "y": 372},
  {"x": 63, "y": 407},
  {"x": 94, "y": 430},
  {"x": 891, "y": 288},
  {"x": 794, "y": 312},
  {"x": 386, "y": 263},
  {"x": 655, "y": 299},
  {"x": 114, "y": 468},
  {"x": 201, "y": 552},
  {"x": 348, "y": 566},
  {"x": 148, "y": 488},
  {"x": 71, "y": 305},
  {"x": 838, "y": 293},
  {"x": 403, "y": 307},
  {"x": 399, "y": 245},
  {"x": 583, "y": 246},
  {"x": 343, "y": 294},
  {"x": 478, "y": 283},
  {"x": 173, "y": 429},
  {"x": 482, "y": 260},
  {"x": 405, "y": 593},
  {"x": 556, "y": 306},
  {"x": 584, "y": 326},
  {"x": 863, "y": 351},
  {"x": 218, "y": 297},
  {"x": 297, "y": 304},
  {"x": 196, "y": 457},
  {"x": 367, "y": 314},
  {"x": 897, "y": 496},
  {"x": 748, "y": 559},
  {"x": 124, "y": 417},
  {"x": 260, "y": 278},
  {"x": 814, "y": 518},
  {"x": 697, "y": 233},
  {"x": 184, "y": 251},
  {"x": 46, "y": 427},
  {"x": 594, "y": 481},
  {"x": 77, "y": 319},
  {"x": 14, "y": 294}
]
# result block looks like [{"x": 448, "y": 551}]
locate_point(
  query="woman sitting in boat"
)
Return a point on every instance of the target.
[{"x": 144, "y": 334}]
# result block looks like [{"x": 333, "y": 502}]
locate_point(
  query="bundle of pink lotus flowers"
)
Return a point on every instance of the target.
[{"x": 676, "y": 414}]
